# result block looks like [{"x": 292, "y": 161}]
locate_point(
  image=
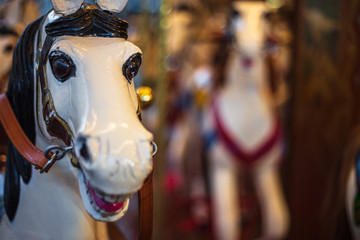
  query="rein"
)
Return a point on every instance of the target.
[{"x": 41, "y": 160}]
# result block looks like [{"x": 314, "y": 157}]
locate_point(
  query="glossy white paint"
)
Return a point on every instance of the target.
[
  {"x": 98, "y": 102},
  {"x": 112, "y": 5},
  {"x": 247, "y": 113},
  {"x": 66, "y": 7}
]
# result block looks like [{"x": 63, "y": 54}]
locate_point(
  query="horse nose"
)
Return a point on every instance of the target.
[{"x": 88, "y": 148}]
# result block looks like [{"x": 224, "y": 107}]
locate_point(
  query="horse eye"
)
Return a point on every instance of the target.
[
  {"x": 8, "y": 49},
  {"x": 131, "y": 66},
  {"x": 235, "y": 13},
  {"x": 268, "y": 15},
  {"x": 62, "y": 65}
]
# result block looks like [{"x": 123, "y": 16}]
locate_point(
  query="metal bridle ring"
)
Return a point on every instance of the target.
[
  {"x": 56, "y": 152},
  {"x": 154, "y": 148}
]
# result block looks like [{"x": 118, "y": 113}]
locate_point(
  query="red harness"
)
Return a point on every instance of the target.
[{"x": 240, "y": 154}]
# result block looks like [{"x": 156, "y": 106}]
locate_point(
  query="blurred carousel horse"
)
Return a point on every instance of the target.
[
  {"x": 99, "y": 157},
  {"x": 181, "y": 123},
  {"x": 184, "y": 177},
  {"x": 244, "y": 139}
]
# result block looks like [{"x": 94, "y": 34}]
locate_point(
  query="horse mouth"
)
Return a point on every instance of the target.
[
  {"x": 100, "y": 205},
  {"x": 106, "y": 203}
]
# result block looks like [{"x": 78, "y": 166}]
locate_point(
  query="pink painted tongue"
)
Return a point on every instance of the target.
[{"x": 104, "y": 205}]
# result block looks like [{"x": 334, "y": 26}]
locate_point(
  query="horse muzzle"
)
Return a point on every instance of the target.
[{"x": 115, "y": 167}]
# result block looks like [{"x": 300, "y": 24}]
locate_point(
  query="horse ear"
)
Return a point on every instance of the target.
[
  {"x": 66, "y": 7},
  {"x": 112, "y": 5}
]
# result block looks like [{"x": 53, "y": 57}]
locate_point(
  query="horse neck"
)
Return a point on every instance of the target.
[
  {"x": 243, "y": 103},
  {"x": 50, "y": 205},
  {"x": 249, "y": 82}
]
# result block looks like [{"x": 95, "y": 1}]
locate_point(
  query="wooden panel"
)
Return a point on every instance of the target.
[{"x": 324, "y": 109}]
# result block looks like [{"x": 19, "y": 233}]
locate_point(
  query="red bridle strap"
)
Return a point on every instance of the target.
[{"x": 17, "y": 136}]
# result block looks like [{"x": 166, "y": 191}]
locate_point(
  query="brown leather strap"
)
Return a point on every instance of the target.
[
  {"x": 114, "y": 232},
  {"x": 17, "y": 136},
  {"x": 145, "y": 204}
]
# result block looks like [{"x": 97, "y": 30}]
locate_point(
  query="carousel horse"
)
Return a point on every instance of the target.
[
  {"x": 179, "y": 34},
  {"x": 184, "y": 178},
  {"x": 71, "y": 97},
  {"x": 180, "y": 31},
  {"x": 244, "y": 143}
]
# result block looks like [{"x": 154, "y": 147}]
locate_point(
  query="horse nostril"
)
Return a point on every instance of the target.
[
  {"x": 84, "y": 151},
  {"x": 88, "y": 148}
]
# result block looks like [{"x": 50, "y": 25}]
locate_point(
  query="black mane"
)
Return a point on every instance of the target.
[
  {"x": 21, "y": 96},
  {"x": 88, "y": 21}
]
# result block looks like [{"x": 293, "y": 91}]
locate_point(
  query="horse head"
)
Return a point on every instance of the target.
[
  {"x": 248, "y": 28},
  {"x": 85, "y": 99}
]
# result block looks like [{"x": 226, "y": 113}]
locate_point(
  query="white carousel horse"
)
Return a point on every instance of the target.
[
  {"x": 184, "y": 177},
  {"x": 246, "y": 142},
  {"x": 72, "y": 87},
  {"x": 180, "y": 35}
]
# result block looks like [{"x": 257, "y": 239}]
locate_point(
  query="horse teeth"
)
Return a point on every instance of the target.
[
  {"x": 122, "y": 198},
  {"x": 109, "y": 198},
  {"x": 99, "y": 193}
]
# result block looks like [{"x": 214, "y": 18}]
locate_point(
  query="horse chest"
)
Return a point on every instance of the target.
[
  {"x": 249, "y": 120},
  {"x": 50, "y": 208}
]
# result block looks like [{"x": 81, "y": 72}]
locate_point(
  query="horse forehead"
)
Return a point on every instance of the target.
[
  {"x": 250, "y": 7},
  {"x": 180, "y": 18},
  {"x": 95, "y": 46}
]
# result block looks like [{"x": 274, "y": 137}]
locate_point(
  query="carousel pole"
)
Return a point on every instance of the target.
[{"x": 162, "y": 99}]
